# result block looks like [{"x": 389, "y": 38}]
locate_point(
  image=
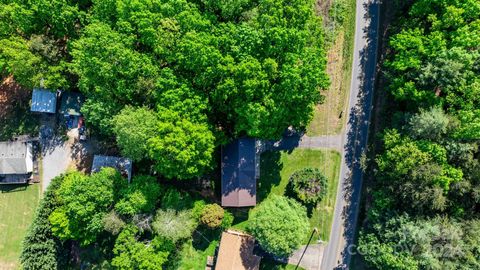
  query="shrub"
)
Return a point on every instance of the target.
[
  {"x": 309, "y": 185},
  {"x": 279, "y": 224},
  {"x": 212, "y": 215}
]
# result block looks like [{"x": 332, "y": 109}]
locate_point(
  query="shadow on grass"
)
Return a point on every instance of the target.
[
  {"x": 203, "y": 237},
  {"x": 13, "y": 188},
  {"x": 271, "y": 166}
]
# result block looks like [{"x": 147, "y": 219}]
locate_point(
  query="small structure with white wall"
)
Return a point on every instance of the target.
[{"x": 16, "y": 162}]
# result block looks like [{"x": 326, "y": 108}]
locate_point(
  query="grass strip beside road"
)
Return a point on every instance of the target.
[{"x": 326, "y": 119}]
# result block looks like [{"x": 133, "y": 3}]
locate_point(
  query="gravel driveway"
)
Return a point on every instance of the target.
[{"x": 56, "y": 154}]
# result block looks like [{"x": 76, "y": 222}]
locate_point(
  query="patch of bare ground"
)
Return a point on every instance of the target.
[{"x": 11, "y": 95}]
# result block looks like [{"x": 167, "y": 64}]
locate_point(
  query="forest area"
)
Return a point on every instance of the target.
[
  {"x": 166, "y": 83},
  {"x": 423, "y": 202}
]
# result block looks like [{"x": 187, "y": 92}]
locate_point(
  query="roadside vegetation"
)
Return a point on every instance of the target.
[
  {"x": 339, "y": 20},
  {"x": 422, "y": 206}
]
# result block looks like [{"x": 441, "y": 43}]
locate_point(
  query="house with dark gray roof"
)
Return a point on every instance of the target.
[
  {"x": 43, "y": 101},
  {"x": 16, "y": 162},
  {"x": 240, "y": 171},
  {"x": 123, "y": 165}
]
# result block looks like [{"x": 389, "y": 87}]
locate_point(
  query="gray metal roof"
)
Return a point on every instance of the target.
[
  {"x": 71, "y": 103},
  {"x": 44, "y": 101},
  {"x": 123, "y": 165},
  {"x": 239, "y": 183},
  {"x": 13, "y": 157}
]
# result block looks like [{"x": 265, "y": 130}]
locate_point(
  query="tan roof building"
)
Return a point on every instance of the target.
[{"x": 236, "y": 252}]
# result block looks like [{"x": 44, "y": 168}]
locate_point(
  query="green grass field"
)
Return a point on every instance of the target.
[{"x": 17, "y": 207}]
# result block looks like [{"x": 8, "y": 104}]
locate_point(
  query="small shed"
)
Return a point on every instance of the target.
[
  {"x": 71, "y": 104},
  {"x": 123, "y": 165},
  {"x": 236, "y": 252},
  {"x": 16, "y": 162},
  {"x": 240, "y": 170},
  {"x": 44, "y": 101}
]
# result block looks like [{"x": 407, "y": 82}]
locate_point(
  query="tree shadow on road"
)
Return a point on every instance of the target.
[{"x": 356, "y": 141}]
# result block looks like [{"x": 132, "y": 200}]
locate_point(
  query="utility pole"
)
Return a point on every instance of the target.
[{"x": 315, "y": 230}]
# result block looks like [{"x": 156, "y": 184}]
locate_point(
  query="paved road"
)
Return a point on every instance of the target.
[
  {"x": 338, "y": 250},
  {"x": 303, "y": 141}
]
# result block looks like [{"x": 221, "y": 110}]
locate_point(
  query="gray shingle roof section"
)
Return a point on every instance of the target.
[
  {"x": 44, "y": 101},
  {"x": 123, "y": 165},
  {"x": 13, "y": 158},
  {"x": 239, "y": 183}
]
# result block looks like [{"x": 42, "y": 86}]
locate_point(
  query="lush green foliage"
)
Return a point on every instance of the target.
[
  {"x": 84, "y": 202},
  {"x": 212, "y": 215},
  {"x": 279, "y": 224},
  {"x": 427, "y": 174},
  {"x": 308, "y": 185},
  {"x": 225, "y": 69},
  {"x": 132, "y": 254},
  {"x": 41, "y": 249},
  {"x": 133, "y": 127},
  {"x": 439, "y": 243},
  {"x": 140, "y": 196}
]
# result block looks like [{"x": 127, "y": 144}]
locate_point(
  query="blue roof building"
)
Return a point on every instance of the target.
[{"x": 44, "y": 101}]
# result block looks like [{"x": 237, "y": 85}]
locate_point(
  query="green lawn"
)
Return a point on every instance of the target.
[
  {"x": 277, "y": 167},
  {"x": 17, "y": 207}
]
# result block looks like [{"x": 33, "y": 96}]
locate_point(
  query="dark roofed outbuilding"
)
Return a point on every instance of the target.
[
  {"x": 123, "y": 165},
  {"x": 71, "y": 104},
  {"x": 43, "y": 101},
  {"x": 240, "y": 171}
]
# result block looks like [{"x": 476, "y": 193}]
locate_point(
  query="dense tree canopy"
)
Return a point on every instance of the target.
[
  {"x": 132, "y": 254},
  {"x": 227, "y": 69},
  {"x": 84, "y": 202},
  {"x": 279, "y": 224},
  {"x": 422, "y": 211}
]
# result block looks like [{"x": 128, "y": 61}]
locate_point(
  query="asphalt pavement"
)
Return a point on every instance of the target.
[{"x": 338, "y": 252}]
